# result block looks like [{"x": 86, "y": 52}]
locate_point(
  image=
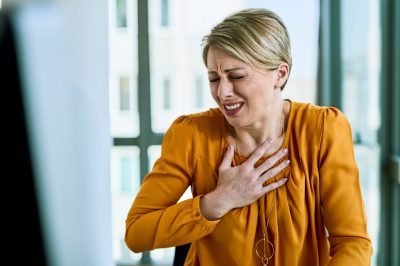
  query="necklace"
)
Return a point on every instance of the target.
[{"x": 264, "y": 243}]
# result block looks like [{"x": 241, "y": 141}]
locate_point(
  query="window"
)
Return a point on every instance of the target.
[
  {"x": 125, "y": 182},
  {"x": 124, "y": 93},
  {"x": 360, "y": 64},
  {"x": 200, "y": 90},
  {"x": 123, "y": 72},
  {"x": 166, "y": 94},
  {"x": 126, "y": 174},
  {"x": 164, "y": 13},
  {"x": 121, "y": 13},
  {"x": 350, "y": 45}
]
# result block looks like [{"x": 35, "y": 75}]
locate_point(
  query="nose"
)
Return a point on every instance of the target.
[{"x": 225, "y": 89}]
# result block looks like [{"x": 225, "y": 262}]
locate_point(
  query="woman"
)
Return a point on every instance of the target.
[{"x": 274, "y": 182}]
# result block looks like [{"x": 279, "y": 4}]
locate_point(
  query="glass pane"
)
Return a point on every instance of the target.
[
  {"x": 167, "y": 94},
  {"x": 125, "y": 182},
  {"x": 123, "y": 70},
  {"x": 176, "y": 52},
  {"x": 164, "y": 13},
  {"x": 361, "y": 68},
  {"x": 121, "y": 13},
  {"x": 124, "y": 94}
]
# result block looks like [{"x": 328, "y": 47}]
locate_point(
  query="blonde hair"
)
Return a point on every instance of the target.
[{"x": 256, "y": 36}]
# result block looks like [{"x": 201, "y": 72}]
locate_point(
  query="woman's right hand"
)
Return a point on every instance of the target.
[{"x": 241, "y": 185}]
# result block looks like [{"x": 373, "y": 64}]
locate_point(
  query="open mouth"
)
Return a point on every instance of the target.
[{"x": 232, "y": 109}]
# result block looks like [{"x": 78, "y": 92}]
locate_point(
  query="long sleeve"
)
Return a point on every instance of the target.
[
  {"x": 155, "y": 219},
  {"x": 342, "y": 203}
]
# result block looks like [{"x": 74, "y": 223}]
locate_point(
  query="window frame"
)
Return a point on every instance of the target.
[
  {"x": 390, "y": 132},
  {"x": 146, "y": 136}
]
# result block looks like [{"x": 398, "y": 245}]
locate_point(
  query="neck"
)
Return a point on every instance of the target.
[{"x": 271, "y": 127}]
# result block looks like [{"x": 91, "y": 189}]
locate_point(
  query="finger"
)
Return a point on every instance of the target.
[
  {"x": 271, "y": 161},
  {"x": 273, "y": 171},
  {"x": 274, "y": 185},
  {"x": 227, "y": 161},
  {"x": 259, "y": 152}
]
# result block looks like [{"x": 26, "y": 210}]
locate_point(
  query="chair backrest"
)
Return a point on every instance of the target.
[{"x": 180, "y": 254}]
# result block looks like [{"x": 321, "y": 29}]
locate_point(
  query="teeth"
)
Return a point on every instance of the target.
[{"x": 232, "y": 107}]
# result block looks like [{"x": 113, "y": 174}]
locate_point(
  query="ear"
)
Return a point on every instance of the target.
[{"x": 283, "y": 74}]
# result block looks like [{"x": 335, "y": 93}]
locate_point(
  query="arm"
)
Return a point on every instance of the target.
[
  {"x": 155, "y": 219},
  {"x": 342, "y": 203}
]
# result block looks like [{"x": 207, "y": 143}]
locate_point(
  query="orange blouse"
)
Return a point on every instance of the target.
[{"x": 317, "y": 218}]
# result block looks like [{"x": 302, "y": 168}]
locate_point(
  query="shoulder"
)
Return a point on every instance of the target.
[
  {"x": 208, "y": 122},
  {"x": 310, "y": 114},
  {"x": 199, "y": 134},
  {"x": 322, "y": 116},
  {"x": 212, "y": 115},
  {"x": 311, "y": 122}
]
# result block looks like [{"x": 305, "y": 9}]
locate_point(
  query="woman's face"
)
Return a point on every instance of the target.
[{"x": 244, "y": 93}]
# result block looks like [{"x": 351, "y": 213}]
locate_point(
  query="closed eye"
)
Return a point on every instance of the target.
[{"x": 213, "y": 80}]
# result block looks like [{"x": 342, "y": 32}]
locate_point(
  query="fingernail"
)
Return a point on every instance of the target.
[
  {"x": 284, "y": 179},
  {"x": 284, "y": 150},
  {"x": 229, "y": 147},
  {"x": 270, "y": 141},
  {"x": 286, "y": 162}
]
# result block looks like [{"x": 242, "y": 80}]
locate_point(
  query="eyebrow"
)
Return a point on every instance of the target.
[{"x": 227, "y": 70}]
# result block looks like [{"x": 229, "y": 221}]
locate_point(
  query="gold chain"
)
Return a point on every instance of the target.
[{"x": 264, "y": 240}]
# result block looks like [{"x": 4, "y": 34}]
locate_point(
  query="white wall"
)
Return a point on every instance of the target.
[{"x": 64, "y": 53}]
